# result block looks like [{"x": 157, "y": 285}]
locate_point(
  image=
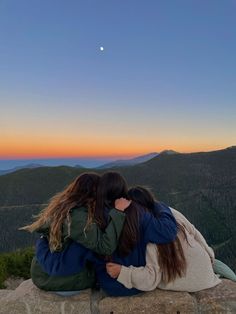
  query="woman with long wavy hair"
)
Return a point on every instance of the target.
[
  {"x": 185, "y": 264},
  {"x": 68, "y": 224}
]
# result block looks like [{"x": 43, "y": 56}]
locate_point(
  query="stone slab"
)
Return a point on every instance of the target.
[
  {"x": 28, "y": 299},
  {"x": 4, "y": 293},
  {"x": 157, "y": 301},
  {"x": 218, "y": 300}
]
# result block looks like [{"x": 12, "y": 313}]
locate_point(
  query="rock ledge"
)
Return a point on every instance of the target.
[{"x": 27, "y": 299}]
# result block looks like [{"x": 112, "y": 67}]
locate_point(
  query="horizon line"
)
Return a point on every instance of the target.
[{"x": 113, "y": 156}]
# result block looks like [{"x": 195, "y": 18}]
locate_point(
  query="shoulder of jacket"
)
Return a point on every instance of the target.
[
  {"x": 77, "y": 214},
  {"x": 78, "y": 210}
]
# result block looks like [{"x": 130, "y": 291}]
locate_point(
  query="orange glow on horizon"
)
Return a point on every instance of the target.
[
  {"x": 27, "y": 146},
  {"x": 42, "y": 150}
]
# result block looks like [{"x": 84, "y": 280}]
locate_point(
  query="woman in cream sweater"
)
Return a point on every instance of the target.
[{"x": 183, "y": 265}]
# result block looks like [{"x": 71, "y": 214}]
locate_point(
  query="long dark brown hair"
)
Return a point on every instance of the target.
[
  {"x": 111, "y": 187},
  {"x": 171, "y": 256},
  {"x": 80, "y": 193}
]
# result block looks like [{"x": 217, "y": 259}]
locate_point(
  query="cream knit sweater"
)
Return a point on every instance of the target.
[{"x": 199, "y": 257}]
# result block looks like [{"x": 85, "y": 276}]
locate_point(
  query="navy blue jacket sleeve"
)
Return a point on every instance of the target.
[
  {"x": 45, "y": 258},
  {"x": 67, "y": 262},
  {"x": 159, "y": 230}
]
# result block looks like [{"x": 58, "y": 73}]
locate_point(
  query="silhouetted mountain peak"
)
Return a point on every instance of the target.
[
  {"x": 231, "y": 147},
  {"x": 168, "y": 152}
]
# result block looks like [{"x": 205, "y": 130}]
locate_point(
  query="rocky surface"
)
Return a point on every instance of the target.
[
  {"x": 27, "y": 299},
  {"x": 221, "y": 299},
  {"x": 12, "y": 283},
  {"x": 153, "y": 302}
]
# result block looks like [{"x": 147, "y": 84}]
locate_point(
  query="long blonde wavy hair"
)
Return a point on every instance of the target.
[{"x": 80, "y": 193}]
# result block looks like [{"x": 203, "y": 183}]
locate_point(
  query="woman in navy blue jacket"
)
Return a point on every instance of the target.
[{"x": 140, "y": 228}]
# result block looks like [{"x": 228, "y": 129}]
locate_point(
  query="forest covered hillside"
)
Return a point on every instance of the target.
[{"x": 200, "y": 185}]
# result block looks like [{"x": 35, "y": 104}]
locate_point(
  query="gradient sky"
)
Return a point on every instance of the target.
[{"x": 166, "y": 77}]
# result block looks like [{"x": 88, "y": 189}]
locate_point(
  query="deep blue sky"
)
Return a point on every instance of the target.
[{"x": 166, "y": 77}]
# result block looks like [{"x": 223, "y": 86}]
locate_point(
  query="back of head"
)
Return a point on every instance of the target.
[
  {"x": 142, "y": 196},
  {"x": 111, "y": 187},
  {"x": 83, "y": 189},
  {"x": 80, "y": 193}
]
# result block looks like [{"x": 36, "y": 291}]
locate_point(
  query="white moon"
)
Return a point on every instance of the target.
[{"x": 101, "y": 48}]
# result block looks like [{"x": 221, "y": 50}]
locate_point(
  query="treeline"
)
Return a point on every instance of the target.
[
  {"x": 34, "y": 186},
  {"x": 11, "y": 219},
  {"x": 15, "y": 264}
]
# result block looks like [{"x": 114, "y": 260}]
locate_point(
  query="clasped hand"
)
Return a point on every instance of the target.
[
  {"x": 122, "y": 203},
  {"x": 113, "y": 269}
]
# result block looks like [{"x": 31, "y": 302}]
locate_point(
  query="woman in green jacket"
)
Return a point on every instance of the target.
[{"x": 69, "y": 220}]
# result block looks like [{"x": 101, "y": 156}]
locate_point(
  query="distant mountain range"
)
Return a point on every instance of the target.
[
  {"x": 9, "y": 164},
  {"x": 129, "y": 162},
  {"x": 113, "y": 164},
  {"x": 136, "y": 160},
  {"x": 29, "y": 166},
  {"x": 201, "y": 185}
]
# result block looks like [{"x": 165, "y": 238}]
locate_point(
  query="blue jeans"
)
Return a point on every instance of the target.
[{"x": 66, "y": 293}]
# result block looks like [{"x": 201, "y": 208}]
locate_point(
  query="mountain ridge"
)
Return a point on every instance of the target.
[
  {"x": 27, "y": 166},
  {"x": 129, "y": 162},
  {"x": 200, "y": 185}
]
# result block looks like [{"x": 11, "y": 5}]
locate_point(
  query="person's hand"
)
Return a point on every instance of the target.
[
  {"x": 122, "y": 203},
  {"x": 113, "y": 269}
]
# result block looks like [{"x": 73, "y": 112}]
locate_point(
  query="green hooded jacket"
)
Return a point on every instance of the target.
[{"x": 92, "y": 237}]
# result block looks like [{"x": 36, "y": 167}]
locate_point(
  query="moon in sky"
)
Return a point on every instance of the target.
[{"x": 101, "y": 48}]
